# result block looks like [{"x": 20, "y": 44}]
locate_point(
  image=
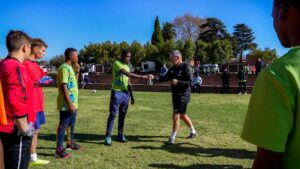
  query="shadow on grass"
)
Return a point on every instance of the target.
[
  {"x": 196, "y": 150},
  {"x": 196, "y": 166},
  {"x": 97, "y": 138}
]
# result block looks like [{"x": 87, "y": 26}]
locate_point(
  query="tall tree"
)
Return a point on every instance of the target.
[
  {"x": 243, "y": 39},
  {"x": 202, "y": 51},
  {"x": 188, "y": 49},
  {"x": 168, "y": 31},
  {"x": 187, "y": 26},
  {"x": 57, "y": 60},
  {"x": 266, "y": 55},
  {"x": 213, "y": 29},
  {"x": 157, "y": 37},
  {"x": 137, "y": 53}
]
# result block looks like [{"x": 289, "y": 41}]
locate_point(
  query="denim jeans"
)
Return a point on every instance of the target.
[
  {"x": 118, "y": 104},
  {"x": 66, "y": 118}
]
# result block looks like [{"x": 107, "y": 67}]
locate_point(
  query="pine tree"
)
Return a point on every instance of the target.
[
  {"x": 212, "y": 30},
  {"x": 168, "y": 32},
  {"x": 243, "y": 39},
  {"x": 157, "y": 37}
]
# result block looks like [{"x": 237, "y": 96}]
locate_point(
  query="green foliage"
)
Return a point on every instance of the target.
[
  {"x": 57, "y": 60},
  {"x": 213, "y": 29},
  {"x": 221, "y": 50},
  {"x": 202, "y": 51},
  {"x": 157, "y": 37},
  {"x": 137, "y": 53},
  {"x": 243, "y": 38},
  {"x": 267, "y": 54},
  {"x": 188, "y": 50},
  {"x": 168, "y": 32}
]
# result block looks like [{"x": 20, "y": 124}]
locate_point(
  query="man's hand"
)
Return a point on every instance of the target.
[{"x": 174, "y": 82}]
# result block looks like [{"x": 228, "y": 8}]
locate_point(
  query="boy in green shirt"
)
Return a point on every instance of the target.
[
  {"x": 273, "y": 117},
  {"x": 67, "y": 102}
]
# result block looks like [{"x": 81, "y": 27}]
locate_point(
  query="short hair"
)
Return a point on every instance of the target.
[
  {"x": 125, "y": 52},
  {"x": 37, "y": 42},
  {"x": 295, "y": 3},
  {"x": 15, "y": 39},
  {"x": 68, "y": 53},
  {"x": 176, "y": 53}
]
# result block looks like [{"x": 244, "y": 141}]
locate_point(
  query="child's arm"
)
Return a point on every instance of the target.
[
  {"x": 67, "y": 98},
  {"x": 268, "y": 159}
]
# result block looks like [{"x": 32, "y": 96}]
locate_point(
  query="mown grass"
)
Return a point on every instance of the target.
[{"x": 217, "y": 118}]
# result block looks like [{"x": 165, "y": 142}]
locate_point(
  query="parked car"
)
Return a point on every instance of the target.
[{"x": 209, "y": 68}]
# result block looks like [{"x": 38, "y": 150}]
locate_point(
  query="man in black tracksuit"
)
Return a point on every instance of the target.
[{"x": 181, "y": 81}]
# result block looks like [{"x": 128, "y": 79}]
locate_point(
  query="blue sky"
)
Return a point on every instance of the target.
[{"x": 75, "y": 23}]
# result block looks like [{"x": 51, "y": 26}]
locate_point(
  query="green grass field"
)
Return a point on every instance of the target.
[{"x": 217, "y": 118}]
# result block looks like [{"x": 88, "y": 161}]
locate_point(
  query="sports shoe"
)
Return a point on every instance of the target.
[
  {"x": 73, "y": 146},
  {"x": 61, "y": 153},
  {"x": 240, "y": 93},
  {"x": 171, "y": 141},
  {"x": 38, "y": 162},
  {"x": 107, "y": 141},
  {"x": 122, "y": 139},
  {"x": 191, "y": 136}
]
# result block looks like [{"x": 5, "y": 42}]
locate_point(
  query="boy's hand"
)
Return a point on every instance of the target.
[
  {"x": 72, "y": 108},
  {"x": 29, "y": 132}
]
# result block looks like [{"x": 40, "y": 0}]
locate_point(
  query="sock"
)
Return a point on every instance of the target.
[
  {"x": 173, "y": 135},
  {"x": 33, "y": 157},
  {"x": 192, "y": 129}
]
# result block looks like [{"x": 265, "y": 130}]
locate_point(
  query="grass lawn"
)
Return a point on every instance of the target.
[{"x": 217, "y": 118}]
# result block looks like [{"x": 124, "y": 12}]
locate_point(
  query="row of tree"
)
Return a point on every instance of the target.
[{"x": 206, "y": 40}]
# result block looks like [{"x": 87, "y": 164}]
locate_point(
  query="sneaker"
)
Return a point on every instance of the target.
[
  {"x": 191, "y": 136},
  {"x": 61, "y": 153},
  {"x": 73, "y": 146},
  {"x": 245, "y": 93},
  {"x": 122, "y": 139},
  {"x": 171, "y": 141},
  {"x": 240, "y": 93},
  {"x": 107, "y": 141},
  {"x": 38, "y": 162}
]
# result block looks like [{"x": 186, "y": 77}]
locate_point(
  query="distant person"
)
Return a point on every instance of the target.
[
  {"x": 242, "y": 80},
  {"x": 225, "y": 77},
  {"x": 121, "y": 92},
  {"x": 181, "y": 77},
  {"x": 197, "y": 80},
  {"x": 86, "y": 80},
  {"x": 163, "y": 70},
  {"x": 258, "y": 66},
  {"x": 67, "y": 103},
  {"x": 272, "y": 122}
]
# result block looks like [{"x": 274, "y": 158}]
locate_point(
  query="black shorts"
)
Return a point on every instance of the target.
[{"x": 180, "y": 103}]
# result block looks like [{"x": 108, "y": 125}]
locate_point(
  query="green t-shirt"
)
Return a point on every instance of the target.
[
  {"x": 67, "y": 76},
  {"x": 120, "y": 81},
  {"x": 273, "y": 117}
]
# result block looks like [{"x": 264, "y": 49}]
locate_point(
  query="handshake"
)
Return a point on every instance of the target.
[{"x": 150, "y": 78}]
